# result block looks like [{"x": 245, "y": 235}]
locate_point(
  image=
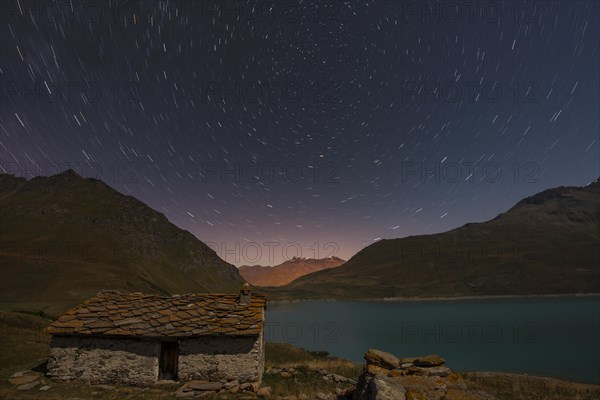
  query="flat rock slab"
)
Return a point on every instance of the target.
[
  {"x": 23, "y": 379},
  {"x": 430, "y": 371},
  {"x": 202, "y": 385},
  {"x": 339, "y": 378},
  {"x": 28, "y": 386},
  {"x": 429, "y": 361},
  {"x": 382, "y": 359}
]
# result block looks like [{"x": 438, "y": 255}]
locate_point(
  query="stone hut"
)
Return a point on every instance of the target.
[{"x": 140, "y": 339}]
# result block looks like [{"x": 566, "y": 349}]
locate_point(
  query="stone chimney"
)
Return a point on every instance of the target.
[{"x": 245, "y": 294}]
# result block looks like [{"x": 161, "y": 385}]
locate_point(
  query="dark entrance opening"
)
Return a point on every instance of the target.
[{"x": 167, "y": 362}]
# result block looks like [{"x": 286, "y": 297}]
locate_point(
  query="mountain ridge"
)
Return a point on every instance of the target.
[
  {"x": 89, "y": 233},
  {"x": 547, "y": 243}
]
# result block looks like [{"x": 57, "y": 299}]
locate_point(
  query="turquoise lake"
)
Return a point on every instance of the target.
[{"x": 558, "y": 337}]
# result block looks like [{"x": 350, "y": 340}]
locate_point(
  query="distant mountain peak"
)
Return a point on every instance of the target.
[
  {"x": 69, "y": 172},
  {"x": 312, "y": 260},
  {"x": 287, "y": 271}
]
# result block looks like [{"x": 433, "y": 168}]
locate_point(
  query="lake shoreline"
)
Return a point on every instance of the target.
[
  {"x": 467, "y": 333},
  {"x": 458, "y": 298}
]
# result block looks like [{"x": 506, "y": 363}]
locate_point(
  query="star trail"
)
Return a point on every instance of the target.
[{"x": 305, "y": 128}]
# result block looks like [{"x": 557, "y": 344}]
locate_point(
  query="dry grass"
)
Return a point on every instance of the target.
[
  {"x": 308, "y": 382},
  {"x": 306, "y": 385},
  {"x": 521, "y": 387},
  {"x": 22, "y": 344},
  {"x": 285, "y": 355}
]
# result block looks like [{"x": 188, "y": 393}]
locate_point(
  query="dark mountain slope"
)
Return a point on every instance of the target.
[
  {"x": 546, "y": 243},
  {"x": 64, "y": 237}
]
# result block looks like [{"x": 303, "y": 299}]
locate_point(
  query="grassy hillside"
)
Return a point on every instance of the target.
[
  {"x": 63, "y": 238},
  {"x": 523, "y": 387},
  {"x": 547, "y": 243}
]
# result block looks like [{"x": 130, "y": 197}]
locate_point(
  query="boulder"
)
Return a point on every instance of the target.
[
  {"x": 382, "y": 359},
  {"x": 416, "y": 378},
  {"x": 424, "y": 378},
  {"x": 384, "y": 389}
]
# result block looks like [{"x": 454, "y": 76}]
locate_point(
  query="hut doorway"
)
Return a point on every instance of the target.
[{"x": 167, "y": 361}]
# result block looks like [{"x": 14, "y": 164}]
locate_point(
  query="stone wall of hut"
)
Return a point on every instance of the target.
[
  {"x": 218, "y": 358},
  {"x": 103, "y": 360},
  {"x": 98, "y": 360}
]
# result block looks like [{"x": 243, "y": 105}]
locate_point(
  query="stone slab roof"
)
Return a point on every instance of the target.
[{"x": 143, "y": 315}]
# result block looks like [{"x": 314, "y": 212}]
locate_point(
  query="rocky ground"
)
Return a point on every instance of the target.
[
  {"x": 384, "y": 377},
  {"x": 31, "y": 382},
  {"x": 343, "y": 386},
  {"x": 387, "y": 377},
  {"x": 208, "y": 389},
  {"x": 27, "y": 380}
]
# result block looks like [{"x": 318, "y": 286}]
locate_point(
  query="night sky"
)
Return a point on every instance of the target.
[{"x": 308, "y": 123}]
